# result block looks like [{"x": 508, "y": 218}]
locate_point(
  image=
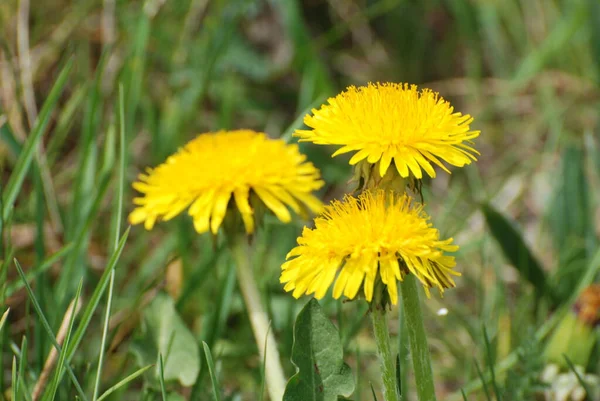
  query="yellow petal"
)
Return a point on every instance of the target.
[
  {"x": 325, "y": 281},
  {"x": 311, "y": 201},
  {"x": 137, "y": 215},
  {"x": 274, "y": 204},
  {"x": 285, "y": 197},
  {"x": 219, "y": 210},
  {"x": 200, "y": 211},
  {"x": 401, "y": 166},
  {"x": 340, "y": 283},
  {"x": 360, "y": 155},
  {"x": 369, "y": 284},
  {"x": 241, "y": 200},
  {"x": 386, "y": 160}
]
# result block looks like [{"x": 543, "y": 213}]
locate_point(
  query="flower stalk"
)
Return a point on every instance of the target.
[
  {"x": 382, "y": 338},
  {"x": 259, "y": 321},
  {"x": 417, "y": 339}
]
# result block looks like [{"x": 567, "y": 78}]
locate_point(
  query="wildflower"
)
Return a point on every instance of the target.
[
  {"x": 378, "y": 236},
  {"x": 207, "y": 172},
  {"x": 393, "y": 122}
]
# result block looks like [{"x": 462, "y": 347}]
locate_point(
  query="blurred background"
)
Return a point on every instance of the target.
[{"x": 526, "y": 214}]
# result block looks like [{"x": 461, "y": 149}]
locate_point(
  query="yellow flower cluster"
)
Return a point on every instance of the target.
[{"x": 377, "y": 237}]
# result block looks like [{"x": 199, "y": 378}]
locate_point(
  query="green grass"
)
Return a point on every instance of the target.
[{"x": 528, "y": 71}]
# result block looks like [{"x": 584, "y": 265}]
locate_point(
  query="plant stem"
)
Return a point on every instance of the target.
[
  {"x": 274, "y": 376},
  {"x": 388, "y": 363},
  {"x": 417, "y": 338}
]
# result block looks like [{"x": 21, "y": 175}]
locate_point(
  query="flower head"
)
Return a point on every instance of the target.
[
  {"x": 378, "y": 236},
  {"x": 393, "y": 122},
  {"x": 208, "y": 171}
]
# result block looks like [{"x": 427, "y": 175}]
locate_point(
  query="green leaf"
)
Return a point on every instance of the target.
[
  {"x": 62, "y": 357},
  {"x": 318, "y": 355},
  {"x": 3, "y": 318},
  {"x": 13, "y": 187},
  {"x": 165, "y": 333},
  {"x": 516, "y": 251},
  {"x": 35, "y": 270},
  {"x": 594, "y": 17},
  {"x": 211, "y": 370},
  {"x": 161, "y": 377},
  {"x": 124, "y": 382},
  {"x": 571, "y": 220},
  {"x": 94, "y": 300},
  {"x": 48, "y": 329}
]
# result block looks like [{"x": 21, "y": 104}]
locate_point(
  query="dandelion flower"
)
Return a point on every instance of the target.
[
  {"x": 393, "y": 122},
  {"x": 216, "y": 170},
  {"x": 378, "y": 236}
]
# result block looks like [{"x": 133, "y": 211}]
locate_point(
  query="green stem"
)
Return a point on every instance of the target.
[
  {"x": 388, "y": 363},
  {"x": 274, "y": 375},
  {"x": 418, "y": 340}
]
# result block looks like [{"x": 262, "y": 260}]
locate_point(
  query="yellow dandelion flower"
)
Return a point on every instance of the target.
[
  {"x": 376, "y": 237},
  {"x": 393, "y": 122},
  {"x": 208, "y": 171}
]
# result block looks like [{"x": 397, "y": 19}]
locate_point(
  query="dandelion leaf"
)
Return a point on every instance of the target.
[
  {"x": 517, "y": 252},
  {"x": 164, "y": 331},
  {"x": 318, "y": 355}
]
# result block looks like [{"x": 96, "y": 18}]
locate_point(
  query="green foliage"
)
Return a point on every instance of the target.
[
  {"x": 517, "y": 252},
  {"x": 3, "y": 319},
  {"x": 124, "y": 382},
  {"x": 523, "y": 381},
  {"x": 318, "y": 355},
  {"x": 165, "y": 333},
  {"x": 212, "y": 371},
  {"x": 526, "y": 71},
  {"x": 13, "y": 186},
  {"x": 572, "y": 339},
  {"x": 571, "y": 219}
]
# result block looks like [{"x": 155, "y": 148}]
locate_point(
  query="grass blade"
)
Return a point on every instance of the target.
[
  {"x": 14, "y": 382},
  {"x": 8, "y": 138},
  {"x": 63, "y": 353},
  {"x": 26, "y": 157},
  {"x": 3, "y": 318},
  {"x": 579, "y": 378},
  {"x": 373, "y": 392},
  {"x": 211, "y": 371},
  {"x": 124, "y": 382},
  {"x": 48, "y": 329},
  {"x": 42, "y": 267},
  {"x": 104, "y": 334},
  {"x": 490, "y": 362},
  {"x": 121, "y": 180},
  {"x": 516, "y": 251},
  {"x": 80, "y": 238},
  {"x": 571, "y": 219},
  {"x": 22, "y": 366},
  {"x": 118, "y": 217},
  {"x": 86, "y": 316},
  {"x": 161, "y": 377},
  {"x": 483, "y": 381}
]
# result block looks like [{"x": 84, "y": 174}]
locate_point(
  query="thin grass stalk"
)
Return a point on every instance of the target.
[
  {"x": 119, "y": 213},
  {"x": 274, "y": 375}
]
